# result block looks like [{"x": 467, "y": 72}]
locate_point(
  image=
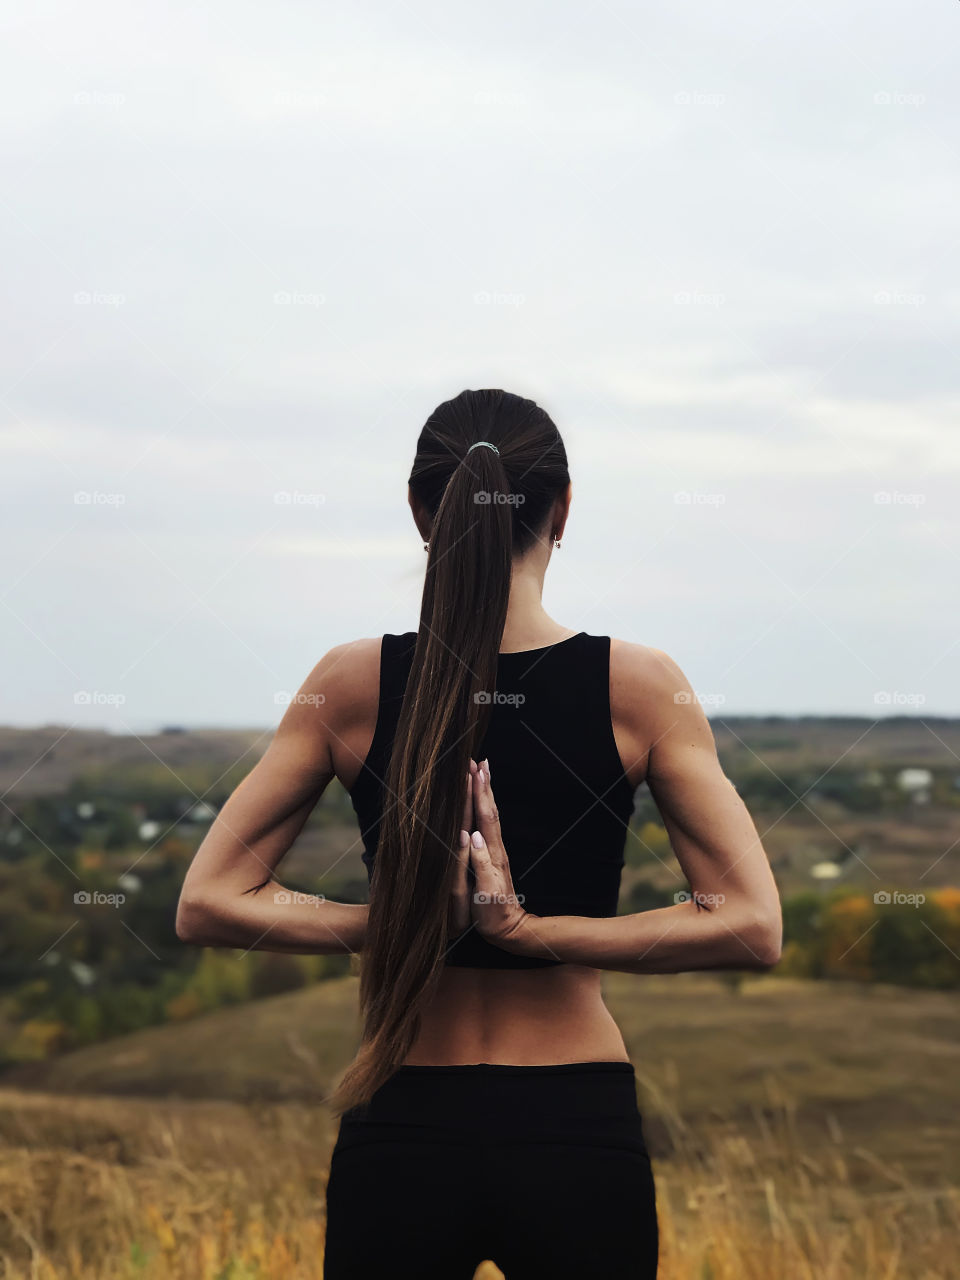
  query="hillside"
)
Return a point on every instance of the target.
[{"x": 880, "y": 1066}]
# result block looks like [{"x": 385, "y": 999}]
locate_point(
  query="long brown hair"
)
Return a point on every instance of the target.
[{"x": 485, "y": 509}]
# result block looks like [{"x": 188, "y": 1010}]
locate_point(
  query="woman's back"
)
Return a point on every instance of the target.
[{"x": 564, "y": 798}]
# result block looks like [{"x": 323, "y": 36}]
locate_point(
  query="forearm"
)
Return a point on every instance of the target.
[
  {"x": 230, "y": 897},
  {"x": 673, "y": 939},
  {"x": 271, "y": 918}
]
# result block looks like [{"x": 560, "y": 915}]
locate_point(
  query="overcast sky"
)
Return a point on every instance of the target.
[{"x": 248, "y": 249}]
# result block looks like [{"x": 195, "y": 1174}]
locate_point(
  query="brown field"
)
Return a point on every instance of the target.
[
  {"x": 800, "y": 1130},
  {"x": 46, "y": 759}
]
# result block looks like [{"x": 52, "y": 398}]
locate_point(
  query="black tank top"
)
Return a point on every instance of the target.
[{"x": 562, "y": 795}]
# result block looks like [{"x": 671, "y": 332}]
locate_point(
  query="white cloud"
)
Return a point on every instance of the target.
[{"x": 681, "y": 221}]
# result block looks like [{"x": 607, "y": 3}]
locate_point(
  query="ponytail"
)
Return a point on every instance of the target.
[{"x": 479, "y": 521}]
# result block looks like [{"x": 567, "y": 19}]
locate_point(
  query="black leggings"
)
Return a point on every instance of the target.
[{"x": 543, "y": 1170}]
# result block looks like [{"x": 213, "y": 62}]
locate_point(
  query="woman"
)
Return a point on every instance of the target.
[{"x": 491, "y": 1110}]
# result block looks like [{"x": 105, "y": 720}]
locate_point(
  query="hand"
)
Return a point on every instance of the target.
[
  {"x": 496, "y": 908},
  {"x": 460, "y": 895}
]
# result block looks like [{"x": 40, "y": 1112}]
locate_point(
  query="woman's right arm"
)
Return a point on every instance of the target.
[{"x": 230, "y": 897}]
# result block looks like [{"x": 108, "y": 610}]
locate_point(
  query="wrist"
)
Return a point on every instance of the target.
[
  {"x": 350, "y": 925},
  {"x": 528, "y": 938},
  {"x": 360, "y": 929}
]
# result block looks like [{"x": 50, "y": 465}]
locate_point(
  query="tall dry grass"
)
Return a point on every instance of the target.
[
  {"x": 104, "y": 1189},
  {"x": 755, "y": 1201}
]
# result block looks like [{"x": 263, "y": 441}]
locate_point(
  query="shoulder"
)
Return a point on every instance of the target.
[
  {"x": 638, "y": 668},
  {"x": 347, "y": 671},
  {"x": 343, "y": 684},
  {"x": 651, "y": 696},
  {"x": 337, "y": 697},
  {"x": 350, "y": 659}
]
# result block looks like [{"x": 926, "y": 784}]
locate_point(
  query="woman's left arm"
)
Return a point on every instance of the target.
[
  {"x": 732, "y": 918},
  {"x": 230, "y": 897}
]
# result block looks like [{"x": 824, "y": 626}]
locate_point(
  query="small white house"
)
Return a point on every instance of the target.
[
  {"x": 201, "y": 812},
  {"x": 917, "y": 783}
]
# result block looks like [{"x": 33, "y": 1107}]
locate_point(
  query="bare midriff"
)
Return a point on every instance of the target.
[{"x": 524, "y": 1017}]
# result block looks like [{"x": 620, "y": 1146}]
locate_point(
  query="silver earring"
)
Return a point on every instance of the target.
[{"x": 556, "y": 541}]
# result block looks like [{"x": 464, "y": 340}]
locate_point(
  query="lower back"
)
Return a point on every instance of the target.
[{"x": 527, "y": 1017}]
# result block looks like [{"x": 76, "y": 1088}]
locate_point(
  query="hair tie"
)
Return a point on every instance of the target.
[{"x": 487, "y": 443}]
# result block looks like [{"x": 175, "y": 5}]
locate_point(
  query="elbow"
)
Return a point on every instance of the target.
[
  {"x": 766, "y": 943},
  {"x": 752, "y": 940},
  {"x": 194, "y": 920},
  {"x": 768, "y": 955}
]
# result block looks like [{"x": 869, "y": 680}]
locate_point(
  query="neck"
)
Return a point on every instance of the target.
[{"x": 528, "y": 625}]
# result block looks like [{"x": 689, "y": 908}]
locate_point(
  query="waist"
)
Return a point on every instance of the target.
[
  {"x": 535, "y": 1017},
  {"x": 498, "y": 1104}
]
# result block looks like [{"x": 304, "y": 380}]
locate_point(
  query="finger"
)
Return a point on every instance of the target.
[
  {"x": 462, "y": 854},
  {"x": 488, "y": 884},
  {"x": 460, "y": 893},
  {"x": 467, "y": 821},
  {"x": 487, "y": 816},
  {"x": 460, "y": 890},
  {"x": 491, "y": 826}
]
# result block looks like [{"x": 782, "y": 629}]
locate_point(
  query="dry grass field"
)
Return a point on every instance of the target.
[
  {"x": 804, "y": 1130},
  {"x": 799, "y": 1130}
]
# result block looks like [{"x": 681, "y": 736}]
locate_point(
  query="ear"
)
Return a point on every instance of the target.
[
  {"x": 561, "y": 510},
  {"x": 421, "y": 517}
]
